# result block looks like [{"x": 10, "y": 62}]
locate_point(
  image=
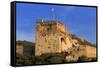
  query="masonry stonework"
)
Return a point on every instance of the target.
[{"x": 51, "y": 37}]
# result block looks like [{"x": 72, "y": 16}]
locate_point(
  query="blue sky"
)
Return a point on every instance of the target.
[{"x": 80, "y": 21}]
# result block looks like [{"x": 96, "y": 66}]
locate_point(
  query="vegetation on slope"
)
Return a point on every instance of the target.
[{"x": 19, "y": 42}]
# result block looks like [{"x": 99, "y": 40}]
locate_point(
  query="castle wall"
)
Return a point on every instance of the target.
[
  {"x": 90, "y": 51},
  {"x": 53, "y": 37},
  {"x": 19, "y": 49},
  {"x": 48, "y": 38},
  {"x": 47, "y": 44}
]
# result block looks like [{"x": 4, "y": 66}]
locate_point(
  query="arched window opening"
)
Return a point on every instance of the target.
[{"x": 63, "y": 40}]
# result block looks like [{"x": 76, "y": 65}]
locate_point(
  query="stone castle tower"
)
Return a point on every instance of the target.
[{"x": 51, "y": 37}]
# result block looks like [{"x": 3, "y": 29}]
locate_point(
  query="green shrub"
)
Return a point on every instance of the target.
[{"x": 55, "y": 59}]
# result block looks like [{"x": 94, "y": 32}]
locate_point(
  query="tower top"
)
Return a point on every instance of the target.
[{"x": 53, "y": 24}]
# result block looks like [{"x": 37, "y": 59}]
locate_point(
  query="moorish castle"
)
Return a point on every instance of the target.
[{"x": 53, "y": 37}]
